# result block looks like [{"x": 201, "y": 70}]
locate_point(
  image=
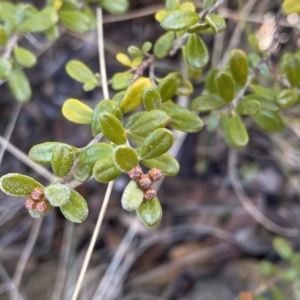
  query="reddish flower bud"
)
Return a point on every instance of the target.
[
  {"x": 37, "y": 194},
  {"x": 135, "y": 173},
  {"x": 155, "y": 174},
  {"x": 30, "y": 203},
  {"x": 150, "y": 193},
  {"x": 145, "y": 182},
  {"x": 42, "y": 206}
]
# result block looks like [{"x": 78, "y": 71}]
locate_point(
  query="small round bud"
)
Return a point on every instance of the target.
[
  {"x": 150, "y": 193},
  {"x": 42, "y": 206},
  {"x": 135, "y": 173},
  {"x": 155, "y": 174},
  {"x": 145, "y": 182},
  {"x": 30, "y": 204},
  {"x": 37, "y": 194}
]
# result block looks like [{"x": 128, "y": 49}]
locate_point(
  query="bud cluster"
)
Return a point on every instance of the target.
[
  {"x": 37, "y": 201},
  {"x": 145, "y": 180}
]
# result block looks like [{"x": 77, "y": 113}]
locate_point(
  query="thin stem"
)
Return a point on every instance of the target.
[
  {"x": 110, "y": 185},
  {"x": 141, "y": 68}
]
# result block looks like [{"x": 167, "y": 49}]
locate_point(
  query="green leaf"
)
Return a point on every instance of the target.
[
  {"x": 125, "y": 158},
  {"x": 121, "y": 80},
  {"x": 157, "y": 143},
  {"x": 80, "y": 72},
  {"x": 25, "y": 57},
  {"x": 5, "y": 68},
  {"x": 19, "y": 85},
  {"x": 184, "y": 87},
  {"x": 15, "y": 184},
  {"x": 132, "y": 196},
  {"x": 196, "y": 52},
  {"x": 76, "y": 111},
  {"x": 186, "y": 122},
  {"x": 146, "y": 47},
  {"x": 134, "y": 95},
  {"x": 286, "y": 98},
  {"x": 208, "y": 4},
  {"x": 225, "y": 121},
  {"x": 225, "y": 87},
  {"x": 75, "y": 20},
  {"x": 268, "y": 120},
  {"x": 163, "y": 45},
  {"x": 151, "y": 99},
  {"x": 3, "y": 36},
  {"x": 93, "y": 153},
  {"x": 124, "y": 59},
  {"x": 267, "y": 268},
  {"x": 166, "y": 163},
  {"x": 115, "y": 7},
  {"x": 42, "y": 153},
  {"x": 83, "y": 172},
  {"x": 290, "y": 274},
  {"x": 150, "y": 212},
  {"x": 192, "y": 72},
  {"x": 105, "y": 105},
  {"x": 205, "y": 103},
  {"x": 213, "y": 122},
  {"x": 172, "y": 5},
  {"x": 118, "y": 97},
  {"x": 253, "y": 42},
  {"x": 148, "y": 122},
  {"x": 264, "y": 92},
  {"x": 290, "y": 6},
  {"x": 210, "y": 81},
  {"x": 265, "y": 103},
  {"x": 112, "y": 128},
  {"x": 248, "y": 107},
  {"x": 291, "y": 67},
  {"x": 179, "y": 20},
  {"x": 237, "y": 131},
  {"x": 134, "y": 51},
  {"x": 76, "y": 210},
  {"x": 52, "y": 33},
  {"x": 201, "y": 28},
  {"x": 62, "y": 159},
  {"x": 40, "y": 22},
  {"x": 167, "y": 88},
  {"x": 128, "y": 123},
  {"x": 217, "y": 24},
  {"x": 171, "y": 108},
  {"x": 105, "y": 170},
  {"x": 283, "y": 248},
  {"x": 57, "y": 194},
  {"x": 239, "y": 66}
]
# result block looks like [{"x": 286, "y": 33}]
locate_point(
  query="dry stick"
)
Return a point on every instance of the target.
[
  {"x": 9, "y": 129},
  {"x": 249, "y": 206},
  {"x": 24, "y": 258},
  {"x": 110, "y": 185}
]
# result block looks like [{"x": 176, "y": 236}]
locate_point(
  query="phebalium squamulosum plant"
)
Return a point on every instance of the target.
[{"x": 136, "y": 124}]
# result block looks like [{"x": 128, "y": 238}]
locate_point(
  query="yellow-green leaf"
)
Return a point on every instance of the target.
[
  {"x": 19, "y": 85},
  {"x": 95, "y": 152},
  {"x": 105, "y": 170},
  {"x": 5, "y": 68},
  {"x": 76, "y": 210},
  {"x": 225, "y": 87},
  {"x": 167, "y": 88},
  {"x": 225, "y": 123},
  {"x": 178, "y": 20},
  {"x": 57, "y": 194},
  {"x": 134, "y": 95},
  {"x": 121, "y": 81},
  {"x": 76, "y": 111},
  {"x": 248, "y": 107},
  {"x": 208, "y": 4},
  {"x": 283, "y": 248},
  {"x": 80, "y": 72},
  {"x": 286, "y": 98},
  {"x": 62, "y": 159},
  {"x": 196, "y": 52},
  {"x": 125, "y": 158},
  {"x": 163, "y": 45},
  {"x": 237, "y": 131},
  {"x": 124, "y": 59},
  {"x": 83, "y": 172},
  {"x": 186, "y": 122},
  {"x": 75, "y": 20},
  {"x": 268, "y": 120},
  {"x": 3, "y": 36},
  {"x": 151, "y": 99},
  {"x": 290, "y": 6},
  {"x": 216, "y": 23},
  {"x": 17, "y": 184},
  {"x": 205, "y": 103},
  {"x": 115, "y": 7},
  {"x": 25, "y": 57},
  {"x": 132, "y": 196},
  {"x": 292, "y": 70},
  {"x": 150, "y": 212},
  {"x": 192, "y": 72},
  {"x": 42, "y": 153},
  {"x": 239, "y": 66}
]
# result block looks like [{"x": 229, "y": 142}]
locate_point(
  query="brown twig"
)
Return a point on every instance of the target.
[{"x": 142, "y": 67}]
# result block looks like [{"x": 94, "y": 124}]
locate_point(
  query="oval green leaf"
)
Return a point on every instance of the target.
[
  {"x": 15, "y": 184},
  {"x": 292, "y": 70},
  {"x": 121, "y": 81},
  {"x": 225, "y": 87},
  {"x": 76, "y": 210},
  {"x": 237, "y": 131},
  {"x": 283, "y": 248},
  {"x": 132, "y": 196},
  {"x": 166, "y": 163},
  {"x": 186, "y": 122},
  {"x": 76, "y": 111},
  {"x": 286, "y": 98},
  {"x": 167, "y": 88},
  {"x": 163, "y": 45},
  {"x": 80, "y": 72},
  {"x": 268, "y": 120},
  {"x": 62, "y": 159},
  {"x": 25, "y": 57},
  {"x": 208, "y": 4},
  {"x": 93, "y": 153},
  {"x": 217, "y": 23},
  {"x": 115, "y": 7},
  {"x": 5, "y": 68},
  {"x": 179, "y": 20},
  {"x": 248, "y": 107},
  {"x": 42, "y": 153},
  {"x": 112, "y": 128},
  {"x": 205, "y": 103},
  {"x": 151, "y": 99},
  {"x": 238, "y": 64},
  {"x": 125, "y": 158},
  {"x": 57, "y": 194},
  {"x": 150, "y": 212},
  {"x": 157, "y": 143},
  {"x": 75, "y": 20},
  {"x": 83, "y": 172},
  {"x": 105, "y": 170},
  {"x": 192, "y": 72},
  {"x": 225, "y": 122}
]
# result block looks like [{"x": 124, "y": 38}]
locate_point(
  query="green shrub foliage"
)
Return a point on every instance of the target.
[{"x": 137, "y": 122}]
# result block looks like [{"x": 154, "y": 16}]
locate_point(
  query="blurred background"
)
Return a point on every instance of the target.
[{"x": 207, "y": 246}]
